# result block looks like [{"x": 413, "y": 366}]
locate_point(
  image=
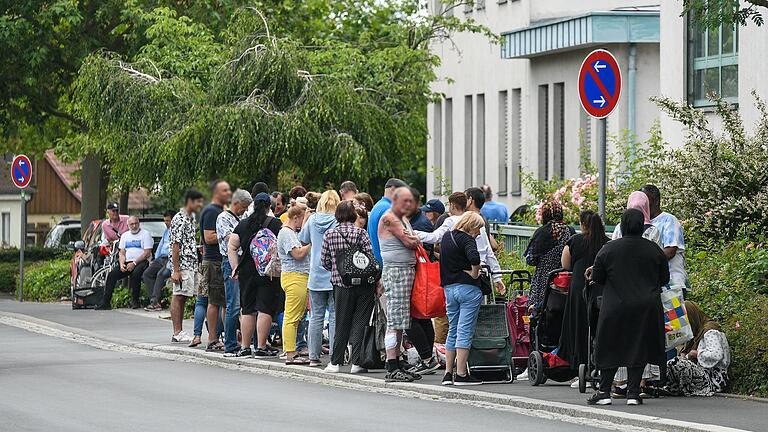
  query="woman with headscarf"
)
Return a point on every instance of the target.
[
  {"x": 630, "y": 329},
  {"x": 639, "y": 200},
  {"x": 546, "y": 248},
  {"x": 701, "y": 369},
  {"x": 578, "y": 255}
]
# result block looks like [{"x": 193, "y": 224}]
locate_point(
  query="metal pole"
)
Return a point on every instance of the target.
[
  {"x": 23, "y": 242},
  {"x": 601, "y": 165}
]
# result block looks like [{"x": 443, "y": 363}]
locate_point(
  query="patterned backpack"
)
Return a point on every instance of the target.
[{"x": 263, "y": 249}]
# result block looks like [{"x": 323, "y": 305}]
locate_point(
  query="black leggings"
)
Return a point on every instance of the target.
[
  {"x": 634, "y": 376},
  {"x": 354, "y": 307},
  {"x": 422, "y": 336}
]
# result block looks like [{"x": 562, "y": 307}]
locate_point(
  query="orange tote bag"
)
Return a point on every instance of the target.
[{"x": 428, "y": 297}]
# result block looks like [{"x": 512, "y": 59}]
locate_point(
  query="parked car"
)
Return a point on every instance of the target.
[
  {"x": 94, "y": 258},
  {"x": 64, "y": 232}
]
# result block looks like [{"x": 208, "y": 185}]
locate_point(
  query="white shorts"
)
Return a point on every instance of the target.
[{"x": 188, "y": 285}]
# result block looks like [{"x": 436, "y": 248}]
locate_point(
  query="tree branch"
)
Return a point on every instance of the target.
[{"x": 66, "y": 116}]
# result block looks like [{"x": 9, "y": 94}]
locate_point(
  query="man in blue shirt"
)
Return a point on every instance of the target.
[
  {"x": 378, "y": 211},
  {"x": 158, "y": 272},
  {"x": 492, "y": 210}
]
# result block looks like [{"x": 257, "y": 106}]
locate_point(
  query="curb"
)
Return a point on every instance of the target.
[{"x": 450, "y": 393}]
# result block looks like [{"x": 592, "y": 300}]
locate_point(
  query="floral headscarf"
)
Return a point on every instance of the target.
[{"x": 550, "y": 234}]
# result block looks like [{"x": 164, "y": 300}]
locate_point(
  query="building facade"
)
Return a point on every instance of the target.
[{"x": 511, "y": 110}]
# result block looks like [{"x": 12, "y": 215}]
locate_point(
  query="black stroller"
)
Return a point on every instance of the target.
[
  {"x": 546, "y": 326},
  {"x": 588, "y": 373}
]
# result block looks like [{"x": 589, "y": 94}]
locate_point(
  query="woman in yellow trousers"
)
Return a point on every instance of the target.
[{"x": 294, "y": 259}]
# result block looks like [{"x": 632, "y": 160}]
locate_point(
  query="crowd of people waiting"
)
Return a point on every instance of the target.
[
  {"x": 339, "y": 255},
  {"x": 645, "y": 255}
]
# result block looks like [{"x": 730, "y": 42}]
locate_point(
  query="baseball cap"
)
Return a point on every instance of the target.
[
  {"x": 262, "y": 196},
  {"x": 433, "y": 205},
  {"x": 113, "y": 206},
  {"x": 395, "y": 182}
]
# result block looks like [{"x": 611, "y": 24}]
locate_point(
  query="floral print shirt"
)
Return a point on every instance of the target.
[{"x": 183, "y": 232}]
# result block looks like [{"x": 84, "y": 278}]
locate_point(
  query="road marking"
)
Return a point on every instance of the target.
[{"x": 35, "y": 325}]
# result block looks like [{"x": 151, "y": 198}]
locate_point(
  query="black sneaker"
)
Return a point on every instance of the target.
[
  {"x": 273, "y": 351},
  {"x": 619, "y": 392},
  {"x": 244, "y": 352},
  {"x": 425, "y": 368},
  {"x": 413, "y": 375},
  {"x": 600, "y": 399},
  {"x": 467, "y": 380},
  {"x": 634, "y": 400},
  {"x": 264, "y": 353},
  {"x": 447, "y": 379},
  {"x": 398, "y": 376}
]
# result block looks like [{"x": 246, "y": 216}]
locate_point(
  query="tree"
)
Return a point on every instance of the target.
[{"x": 713, "y": 13}]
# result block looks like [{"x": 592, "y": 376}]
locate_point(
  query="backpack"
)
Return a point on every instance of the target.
[
  {"x": 263, "y": 249},
  {"x": 356, "y": 266}
]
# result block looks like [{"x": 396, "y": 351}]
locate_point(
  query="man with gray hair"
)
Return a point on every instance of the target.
[{"x": 225, "y": 224}]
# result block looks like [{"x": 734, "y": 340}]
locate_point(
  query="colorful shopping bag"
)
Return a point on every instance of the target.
[{"x": 679, "y": 329}]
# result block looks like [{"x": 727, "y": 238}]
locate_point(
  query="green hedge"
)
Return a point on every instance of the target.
[
  {"x": 730, "y": 282},
  {"x": 47, "y": 281},
  {"x": 33, "y": 254}
]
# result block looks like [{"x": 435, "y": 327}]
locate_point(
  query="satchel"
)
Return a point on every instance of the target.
[{"x": 428, "y": 297}]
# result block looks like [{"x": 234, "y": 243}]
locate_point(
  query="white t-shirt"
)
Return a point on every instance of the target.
[{"x": 134, "y": 244}]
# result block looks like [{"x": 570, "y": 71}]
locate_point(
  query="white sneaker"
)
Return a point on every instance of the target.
[
  {"x": 575, "y": 384},
  {"x": 332, "y": 368},
  {"x": 523, "y": 376},
  {"x": 181, "y": 337},
  {"x": 358, "y": 370}
]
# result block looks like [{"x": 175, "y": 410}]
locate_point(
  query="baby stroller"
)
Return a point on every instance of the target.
[
  {"x": 546, "y": 326},
  {"x": 588, "y": 373}
]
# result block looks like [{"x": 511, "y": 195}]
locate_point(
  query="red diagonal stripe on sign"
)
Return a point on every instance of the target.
[{"x": 606, "y": 93}]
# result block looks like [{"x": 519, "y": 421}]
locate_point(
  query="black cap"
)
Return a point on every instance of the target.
[
  {"x": 433, "y": 205},
  {"x": 113, "y": 206},
  {"x": 395, "y": 182}
]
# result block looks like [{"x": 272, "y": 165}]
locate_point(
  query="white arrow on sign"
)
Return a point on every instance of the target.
[
  {"x": 599, "y": 66},
  {"x": 600, "y": 101}
]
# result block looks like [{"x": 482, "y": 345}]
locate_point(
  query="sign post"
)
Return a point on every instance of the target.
[
  {"x": 599, "y": 92},
  {"x": 21, "y": 175}
]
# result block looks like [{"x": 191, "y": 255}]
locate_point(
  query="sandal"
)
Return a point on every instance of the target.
[
  {"x": 299, "y": 361},
  {"x": 214, "y": 346},
  {"x": 195, "y": 342}
]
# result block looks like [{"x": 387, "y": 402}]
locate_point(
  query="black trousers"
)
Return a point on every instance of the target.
[
  {"x": 422, "y": 336},
  {"x": 354, "y": 307},
  {"x": 634, "y": 375},
  {"x": 155, "y": 277},
  {"x": 134, "y": 282}
]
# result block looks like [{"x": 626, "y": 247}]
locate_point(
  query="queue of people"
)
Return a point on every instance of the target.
[{"x": 309, "y": 258}]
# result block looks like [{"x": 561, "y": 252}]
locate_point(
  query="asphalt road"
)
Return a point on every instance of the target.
[{"x": 50, "y": 384}]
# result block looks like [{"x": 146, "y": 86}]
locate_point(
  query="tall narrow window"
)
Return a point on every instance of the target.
[
  {"x": 480, "y": 139},
  {"x": 6, "y": 228},
  {"x": 559, "y": 130},
  {"x": 468, "y": 141},
  {"x": 503, "y": 153},
  {"x": 713, "y": 63},
  {"x": 437, "y": 136},
  {"x": 516, "y": 134},
  {"x": 543, "y": 122},
  {"x": 448, "y": 170}
]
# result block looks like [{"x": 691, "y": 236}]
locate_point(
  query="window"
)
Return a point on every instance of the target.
[
  {"x": 516, "y": 134},
  {"x": 713, "y": 65},
  {"x": 480, "y": 140},
  {"x": 5, "y": 222},
  {"x": 503, "y": 154},
  {"x": 467, "y": 141},
  {"x": 448, "y": 170},
  {"x": 437, "y": 136},
  {"x": 559, "y": 130},
  {"x": 543, "y": 122}
]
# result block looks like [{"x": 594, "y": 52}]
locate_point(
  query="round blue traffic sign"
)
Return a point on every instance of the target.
[
  {"x": 599, "y": 83},
  {"x": 21, "y": 171}
]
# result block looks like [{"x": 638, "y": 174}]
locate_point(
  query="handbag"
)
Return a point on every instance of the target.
[
  {"x": 427, "y": 297},
  {"x": 679, "y": 329},
  {"x": 371, "y": 355}
]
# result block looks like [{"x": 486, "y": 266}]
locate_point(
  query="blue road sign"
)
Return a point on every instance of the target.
[{"x": 599, "y": 83}]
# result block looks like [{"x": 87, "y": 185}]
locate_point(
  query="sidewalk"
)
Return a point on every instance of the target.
[{"x": 149, "y": 331}]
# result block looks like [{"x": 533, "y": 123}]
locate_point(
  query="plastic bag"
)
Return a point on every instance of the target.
[{"x": 678, "y": 327}]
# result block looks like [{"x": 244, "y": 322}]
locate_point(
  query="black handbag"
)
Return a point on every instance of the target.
[
  {"x": 371, "y": 357},
  {"x": 486, "y": 285}
]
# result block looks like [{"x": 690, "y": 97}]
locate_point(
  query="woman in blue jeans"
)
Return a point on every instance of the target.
[{"x": 459, "y": 275}]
